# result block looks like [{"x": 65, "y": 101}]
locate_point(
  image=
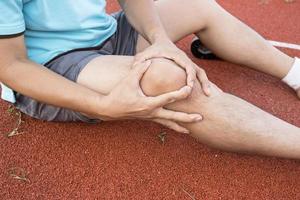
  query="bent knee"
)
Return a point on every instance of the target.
[{"x": 163, "y": 76}]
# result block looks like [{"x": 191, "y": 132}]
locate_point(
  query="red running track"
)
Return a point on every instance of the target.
[{"x": 125, "y": 160}]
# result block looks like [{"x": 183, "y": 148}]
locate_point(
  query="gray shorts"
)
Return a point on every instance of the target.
[{"x": 70, "y": 64}]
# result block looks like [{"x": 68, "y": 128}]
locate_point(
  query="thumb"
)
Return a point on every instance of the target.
[
  {"x": 139, "y": 58},
  {"x": 140, "y": 69}
]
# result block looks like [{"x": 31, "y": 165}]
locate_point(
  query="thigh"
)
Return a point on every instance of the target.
[
  {"x": 103, "y": 73},
  {"x": 180, "y": 18}
]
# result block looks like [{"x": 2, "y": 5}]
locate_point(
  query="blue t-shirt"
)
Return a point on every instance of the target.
[{"x": 52, "y": 27}]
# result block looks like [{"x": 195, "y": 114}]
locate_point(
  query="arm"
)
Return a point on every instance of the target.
[
  {"x": 149, "y": 26},
  {"x": 36, "y": 81},
  {"x": 42, "y": 84},
  {"x": 143, "y": 16}
]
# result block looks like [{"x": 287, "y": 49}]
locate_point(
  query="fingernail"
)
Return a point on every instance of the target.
[
  {"x": 198, "y": 118},
  {"x": 188, "y": 89},
  {"x": 172, "y": 100},
  {"x": 208, "y": 92},
  {"x": 184, "y": 89},
  {"x": 186, "y": 132}
]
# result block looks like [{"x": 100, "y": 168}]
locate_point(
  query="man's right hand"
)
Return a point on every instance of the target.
[{"x": 127, "y": 101}]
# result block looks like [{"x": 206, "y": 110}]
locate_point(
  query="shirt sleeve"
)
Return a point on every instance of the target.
[{"x": 11, "y": 18}]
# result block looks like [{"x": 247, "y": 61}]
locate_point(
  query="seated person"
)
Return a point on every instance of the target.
[{"x": 73, "y": 64}]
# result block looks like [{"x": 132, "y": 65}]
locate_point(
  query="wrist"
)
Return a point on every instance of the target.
[
  {"x": 103, "y": 108},
  {"x": 95, "y": 107},
  {"x": 100, "y": 106},
  {"x": 158, "y": 36}
]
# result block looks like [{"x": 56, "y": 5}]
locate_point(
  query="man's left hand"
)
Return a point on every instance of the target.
[{"x": 167, "y": 49}]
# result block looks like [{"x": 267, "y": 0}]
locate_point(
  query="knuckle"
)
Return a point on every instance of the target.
[
  {"x": 148, "y": 107},
  {"x": 202, "y": 74},
  {"x": 149, "y": 104},
  {"x": 167, "y": 124},
  {"x": 159, "y": 51},
  {"x": 139, "y": 105},
  {"x": 184, "y": 95},
  {"x": 149, "y": 117},
  {"x": 170, "y": 98},
  {"x": 172, "y": 116},
  {"x": 193, "y": 73},
  {"x": 143, "y": 107},
  {"x": 201, "y": 70}
]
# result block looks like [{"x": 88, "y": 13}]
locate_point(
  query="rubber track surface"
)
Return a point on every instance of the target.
[{"x": 125, "y": 160}]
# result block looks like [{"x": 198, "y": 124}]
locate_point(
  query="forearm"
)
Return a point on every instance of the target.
[
  {"x": 144, "y": 17},
  {"x": 38, "y": 82}
]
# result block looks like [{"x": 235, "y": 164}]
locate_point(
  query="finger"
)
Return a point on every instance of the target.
[
  {"x": 172, "y": 125},
  {"x": 170, "y": 97},
  {"x": 177, "y": 116},
  {"x": 139, "y": 58},
  {"x": 140, "y": 69},
  {"x": 205, "y": 83},
  {"x": 191, "y": 76},
  {"x": 147, "y": 56},
  {"x": 184, "y": 62}
]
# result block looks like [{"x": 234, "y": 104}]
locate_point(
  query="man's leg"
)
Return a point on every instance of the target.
[
  {"x": 221, "y": 32},
  {"x": 229, "y": 123}
]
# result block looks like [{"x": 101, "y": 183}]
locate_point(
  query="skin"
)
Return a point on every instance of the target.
[
  {"x": 221, "y": 32},
  {"x": 237, "y": 43},
  {"x": 229, "y": 123},
  {"x": 218, "y": 108},
  {"x": 64, "y": 93},
  {"x": 153, "y": 31}
]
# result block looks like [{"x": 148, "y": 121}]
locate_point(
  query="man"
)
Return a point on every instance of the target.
[{"x": 70, "y": 61}]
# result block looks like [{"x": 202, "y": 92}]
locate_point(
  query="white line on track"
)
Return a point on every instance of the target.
[{"x": 285, "y": 45}]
